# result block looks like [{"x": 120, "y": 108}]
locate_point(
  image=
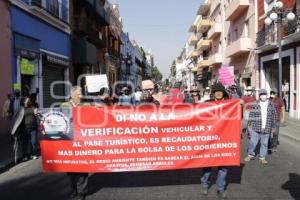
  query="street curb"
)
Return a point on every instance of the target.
[
  {"x": 6, "y": 165},
  {"x": 289, "y": 136}
]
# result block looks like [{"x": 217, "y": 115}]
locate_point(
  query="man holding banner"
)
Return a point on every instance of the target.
[
  {"x": 220, "y": 94},
  {"x": 79, "y": 181}
]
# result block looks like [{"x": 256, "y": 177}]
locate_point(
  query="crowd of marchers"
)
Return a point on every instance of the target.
[{"x": 261, "y": 121}]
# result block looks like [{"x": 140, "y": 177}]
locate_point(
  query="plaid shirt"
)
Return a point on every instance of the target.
[{"x": 255, "y": 121}]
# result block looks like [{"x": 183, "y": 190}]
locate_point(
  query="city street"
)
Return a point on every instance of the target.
[{"x": 278, "y": 180}]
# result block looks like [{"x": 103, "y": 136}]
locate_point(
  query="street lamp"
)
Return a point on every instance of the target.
[{"x": 278, "y": 15}]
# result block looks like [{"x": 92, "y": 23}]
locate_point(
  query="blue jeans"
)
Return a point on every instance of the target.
[
  {"x": 34, "y": 140},
  {"x": 222, "y": 172},
  {"x": 264, "y": 139}
]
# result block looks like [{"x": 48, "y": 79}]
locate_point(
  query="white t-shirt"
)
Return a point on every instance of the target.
[{"x": 264, "y": 111}]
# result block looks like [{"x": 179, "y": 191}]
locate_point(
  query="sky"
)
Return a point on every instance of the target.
[{"x": 159, "y": 25}]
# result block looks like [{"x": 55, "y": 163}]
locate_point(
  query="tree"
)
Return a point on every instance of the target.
[{"x": 157, "y": 76}]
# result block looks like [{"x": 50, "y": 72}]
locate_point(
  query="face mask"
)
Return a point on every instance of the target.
[
  {"x": 263, "y": 97},
  {"x": 206, "y": 97},
  {"x": 272, "y": 96},
  {"x": 249, "y": 93}
]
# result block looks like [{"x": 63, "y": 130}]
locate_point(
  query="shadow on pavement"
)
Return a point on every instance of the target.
[
  {"x": 293, "y": 185},
  {"x": 36, "y": 187},
  {"x": 157, "y": 178}
]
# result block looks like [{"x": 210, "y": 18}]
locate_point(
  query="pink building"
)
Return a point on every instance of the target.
[{"x": 5, "y": 60}]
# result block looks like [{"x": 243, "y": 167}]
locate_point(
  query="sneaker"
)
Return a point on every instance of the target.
[
  {"x": 263, "y": 161},
  {"x": 204, "y": 190},
  {"x": 34, "y": 157},
  {"x": 274, "y": 149},
  {"x": 221, "y": 194},
  {"x": 248, "y": 158}
]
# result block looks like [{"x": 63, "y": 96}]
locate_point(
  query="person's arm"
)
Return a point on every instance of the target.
[{"x": 282, "y": 114}]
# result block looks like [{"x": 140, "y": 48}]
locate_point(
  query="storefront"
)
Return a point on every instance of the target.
[{"x": 40, "y": 59}]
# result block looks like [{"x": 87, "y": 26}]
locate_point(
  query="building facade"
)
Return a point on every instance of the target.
[
  {"x": 41, "y": 49},
  {"x": 5, "y": 60},
  {"x": 267, "y": 53},
  {"x": 127, "y": 69},
  {"x": 89, "y": 21},
  {"x": 223, "y": 34}
]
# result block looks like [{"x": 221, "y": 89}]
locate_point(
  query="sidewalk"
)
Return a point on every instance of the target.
[
  {"x": 6, "y": 152},
  {"x": 291, "y": 130}
]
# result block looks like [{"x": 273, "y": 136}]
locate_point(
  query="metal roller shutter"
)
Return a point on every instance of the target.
[{"x": 51, "y": 74}]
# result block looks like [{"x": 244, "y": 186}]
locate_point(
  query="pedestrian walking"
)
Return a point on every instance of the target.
[
  {"x": 30, "y": 113},
  {"x": 262, "y": 121},
  {"x": 280, "y": 118},
  {"x": 78, "y": 181},
  {"x": 286, "y": 94},
  {"x": 247, "y": 100},
  {"x": 220, "y": 94},
  {"x": 126, "y": 98},
  {"x": 5, "y": 109}
]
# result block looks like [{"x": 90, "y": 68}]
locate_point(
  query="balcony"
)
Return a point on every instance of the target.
[
  {"x": 236, "y": 8},
  {"x": 193, "y": 40},
  {"x": 215, "y": 59},
  {"x": 204, "y": 8},
  {"x": 194, "y": 54},
  {"x": 242, "y": 45},
  {"x": 203, "y": 44},
  {"x": 203, "y": 25},
  {"x": 214, "y": 31},
  {"x": 214, "y": 5},
  {"x": 203, "y": 63},
  {"x": 193, "y": 28},
  {"x": 84, "y": 27}
]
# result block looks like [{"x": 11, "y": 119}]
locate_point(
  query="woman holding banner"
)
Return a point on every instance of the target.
[{"x": 220, "y": 94}]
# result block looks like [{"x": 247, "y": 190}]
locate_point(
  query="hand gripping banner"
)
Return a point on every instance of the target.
[{"x": 113, "y": 139}]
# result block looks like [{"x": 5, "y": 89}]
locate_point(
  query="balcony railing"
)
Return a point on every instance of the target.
[
  {"x": 84, "y": 27},
  {"x": 204, "y": 7},
  {"x": 238, "y": 47},
  {"x": 54, "y": 7},
  {"x": 215, "y": 30},
  {"x": 203, "y": 25}
]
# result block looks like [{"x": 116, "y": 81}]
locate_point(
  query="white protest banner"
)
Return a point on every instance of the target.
[{"x": 96, "y": 82}]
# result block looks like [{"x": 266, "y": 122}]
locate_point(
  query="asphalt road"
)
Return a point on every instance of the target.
[{"x": 280, "y": 179}]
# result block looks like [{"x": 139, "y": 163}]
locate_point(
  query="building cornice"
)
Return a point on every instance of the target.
[{"x": 42, "y": 14}]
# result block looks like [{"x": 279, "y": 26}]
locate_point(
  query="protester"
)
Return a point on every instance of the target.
[
  {"x": 285, "y": 92},
  {"x": 137, "y": 95},
  {"x": 147, "y": 98},
  {"x": 5, "y": 109},
  {"x": 103, "y": 97},
  {"x": 126, "y": 99},
  {"x": 248, "y": 99},
  {"x": 206, "y": 96},
  {"x": 20, "y": 135},
  {"x": 15, "y": 103},
  {"x": 280, "y": 117},
  {"x": 195, "y": 96},
  {"x": 78, "y": 181},
  {"x": 262, "y": 122},
  {"x": 234, "y": 92},
  {"x": 30, "y": 120},
  {"x": 187, "y": 96},
  {"x": 220, "y": 94}
]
